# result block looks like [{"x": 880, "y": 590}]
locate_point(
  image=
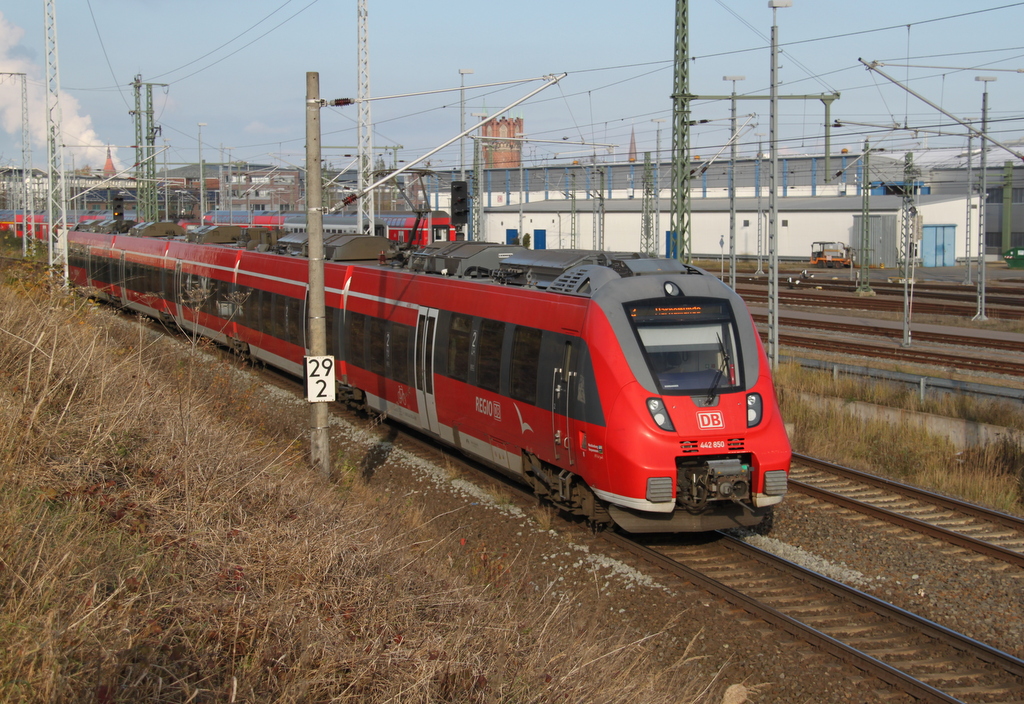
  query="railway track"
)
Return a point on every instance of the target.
[
  {"x": 1008, "y": 293},
  {"x": 824, "y": 300},
  {"x": 975, "y": 528},
  {"x": 972, "y": 341},
  {"x": 927, "y": 661},
  {"x": 909, "y": 653},
  {"x": 965, "y": 362}
]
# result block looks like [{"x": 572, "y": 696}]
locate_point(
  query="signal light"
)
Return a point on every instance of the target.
[{"x": 460, "y": 203}]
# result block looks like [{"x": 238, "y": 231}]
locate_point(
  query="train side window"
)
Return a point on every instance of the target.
[
  {"x": 492, "y": 338},
  {"x": 400, "y": 353},
  {"x": 459, "y": 334},
  {"x": 378, "y": 342},
  {"x": 294, "y": 320},
  {"x": 355, "y": 327},
  {"x": 329, "y": 325},
  {"x": 525, "y": 360}
]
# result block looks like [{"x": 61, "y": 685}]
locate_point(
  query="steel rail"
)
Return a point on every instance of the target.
[
  {"x": 987, "y": 514},
  {"x": 973, "y": 341},
  {"x": 944, "y": 534},
  {"x": 835, "y": 647},
  {"x": 911, "y": 355}
]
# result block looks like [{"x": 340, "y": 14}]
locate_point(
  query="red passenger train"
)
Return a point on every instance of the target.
[
  {"x": 621, "y": 388},
  {"x": 416, "y": 229}
]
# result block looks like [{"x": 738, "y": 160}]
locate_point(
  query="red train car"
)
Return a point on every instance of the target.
[
  {"x": 621, "y": 388},
  {"x": 415, "y": 229}
]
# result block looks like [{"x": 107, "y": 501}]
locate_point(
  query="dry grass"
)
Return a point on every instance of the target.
[
  {"x": 162, "y": 543},
  {"x": 854, "y": 388},
  {"x": 992, "y": 476}
]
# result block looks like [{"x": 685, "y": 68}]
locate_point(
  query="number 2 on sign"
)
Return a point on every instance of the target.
[{"x": 319, "y": 379}]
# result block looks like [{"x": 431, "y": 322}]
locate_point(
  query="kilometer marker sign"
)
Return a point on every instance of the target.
[{"x": 319, "y": 373}]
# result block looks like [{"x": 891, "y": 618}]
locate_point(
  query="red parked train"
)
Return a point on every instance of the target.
[
  {"x": 417, "y": 229},
  {"x": 622, "y": 388}
]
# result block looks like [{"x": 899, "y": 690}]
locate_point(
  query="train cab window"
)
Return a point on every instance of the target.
[
  {"x": 492, "y": 338},
  {"x": 459, "y": 337},
  {"x": 440, "y": 233},
  {"x": 689, "y": 344},
  {"x": 525, "y": 360}
]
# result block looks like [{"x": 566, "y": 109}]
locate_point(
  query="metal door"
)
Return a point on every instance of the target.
[
  {"x": 938, "y": 246},
  {"x": 561, "y": 423},
  {"x": 426, "y": 329}
]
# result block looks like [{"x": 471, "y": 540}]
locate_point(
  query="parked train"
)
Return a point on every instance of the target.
[
  {"x": 625, "y": 389},
  {"x": 415, "y": 229}
]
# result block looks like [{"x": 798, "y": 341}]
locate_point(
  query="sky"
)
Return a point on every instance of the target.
[{"x": 239, "y": 67}]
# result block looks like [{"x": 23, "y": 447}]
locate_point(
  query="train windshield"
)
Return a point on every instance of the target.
[{"x": 690, "y": 346}]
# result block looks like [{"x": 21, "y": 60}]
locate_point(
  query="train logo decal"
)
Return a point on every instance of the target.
[
  {"x": 710, "y": 420},
  {"x": 523, "y": 427}
]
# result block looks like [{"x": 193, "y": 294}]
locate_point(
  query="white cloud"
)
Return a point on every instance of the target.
[{"x": 82, "y": 145}]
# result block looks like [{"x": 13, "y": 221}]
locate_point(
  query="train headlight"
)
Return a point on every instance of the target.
[
  {"x": 672, "y": 289},
  {"x": 660, "y": 414},
  {"x": 754, "y": 408}
]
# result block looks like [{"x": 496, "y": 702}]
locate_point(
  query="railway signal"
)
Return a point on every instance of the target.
[{"x": 460, "y": 203}]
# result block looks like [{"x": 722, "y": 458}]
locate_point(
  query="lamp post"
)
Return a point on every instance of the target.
[
  {"x": 732, "y": 183},
  {"x": 462, "y": 121},
  {"x": 773, "y": 206},
  {"x": 980, "y": 315},
  {"x": 202, "y": 177}
]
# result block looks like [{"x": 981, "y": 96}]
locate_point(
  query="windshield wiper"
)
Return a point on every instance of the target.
[{"x": 720, "y": 372}]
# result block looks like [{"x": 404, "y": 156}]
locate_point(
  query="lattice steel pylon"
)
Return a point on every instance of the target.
[
  {"x": 365, "y": 204},
  {"x": 57, "y": 194},
  {"x": 679, "y": 224},
  {"x": 145, "y": 152},
  {"x": 908, "y": 235},
  {"x": 28, "y": 205},
  {"x": 648, "y": 236},
  {"x": 572, "y": 212},
  {"x": 25, "y": 197}
]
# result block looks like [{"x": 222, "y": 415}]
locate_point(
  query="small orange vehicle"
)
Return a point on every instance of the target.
[{"x": 831, "y": 255}]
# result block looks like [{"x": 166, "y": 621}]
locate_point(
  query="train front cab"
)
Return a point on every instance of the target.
[{"x": 695, "y": 440}]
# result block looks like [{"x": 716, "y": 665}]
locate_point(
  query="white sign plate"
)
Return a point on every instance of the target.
[{"x": 319, "y": 372}]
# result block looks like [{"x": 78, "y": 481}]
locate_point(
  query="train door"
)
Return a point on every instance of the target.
[
  {"x": 560, "y": 421},
  {"x": 426, "y": 329}
]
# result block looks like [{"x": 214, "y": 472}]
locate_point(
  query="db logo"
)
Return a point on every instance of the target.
[{"x": 710, "y": 420}]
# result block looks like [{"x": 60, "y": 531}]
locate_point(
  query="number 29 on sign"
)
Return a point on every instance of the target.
[{"x": 319, "y": 373}]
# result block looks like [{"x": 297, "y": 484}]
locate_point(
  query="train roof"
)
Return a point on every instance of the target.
[{"x": 577, "y": 272}]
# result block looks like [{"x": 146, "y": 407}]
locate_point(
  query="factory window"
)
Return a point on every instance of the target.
[
  {"x": 785, "y": 223},
  {"x": 746, "y": 223},
  {"x": 995, "y": 195},
  {"x": 1018, "y": 195}
]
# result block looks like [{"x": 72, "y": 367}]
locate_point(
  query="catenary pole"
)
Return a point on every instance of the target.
[{"x": 319, "y": 440}]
